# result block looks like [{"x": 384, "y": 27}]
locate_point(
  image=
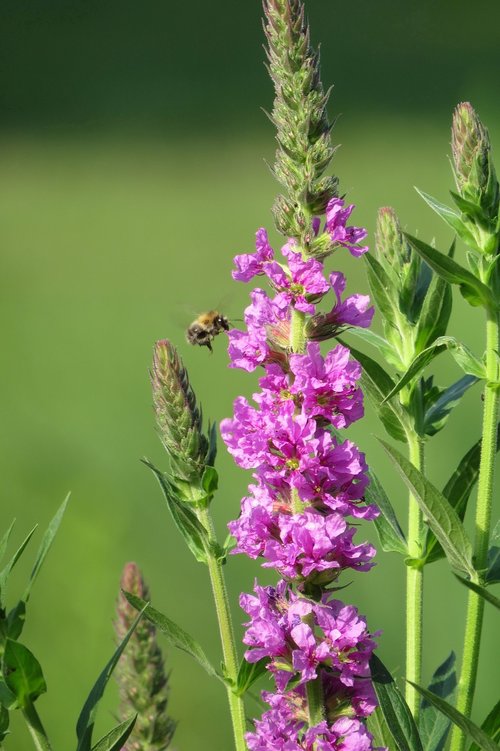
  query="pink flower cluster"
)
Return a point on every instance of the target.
[{"x": 308, "y": 483}]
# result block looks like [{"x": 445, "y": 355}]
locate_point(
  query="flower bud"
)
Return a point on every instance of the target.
[
  {"x": 403, "y": 267},
  {"x": 390, "y": 244},
  {"x": 474, "y": 169},
  {"x": 470, "y": 147},
  {"x": 177, "y": 415}
]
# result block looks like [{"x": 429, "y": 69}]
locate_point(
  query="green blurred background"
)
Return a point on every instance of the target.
[{"x": 133, "y": 170}]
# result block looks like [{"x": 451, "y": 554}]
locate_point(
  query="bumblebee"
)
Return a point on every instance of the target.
[{"x": 206, "y": 327}]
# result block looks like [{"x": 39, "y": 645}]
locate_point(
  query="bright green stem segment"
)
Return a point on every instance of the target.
[
  {"x": 414, "y": 587},
  {"x": 38, "y": 734},
  {"x": 297, "y": 331},
  {"x": 236, "y": 705},
  {"x": 475, "y": 604}
]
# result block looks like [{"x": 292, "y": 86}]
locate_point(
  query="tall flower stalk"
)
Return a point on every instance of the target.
[
  {"x": 308, "y": 482},
  {"x": 479, "y": 201}
]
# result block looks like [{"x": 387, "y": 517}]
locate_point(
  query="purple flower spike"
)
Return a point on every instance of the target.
[
  {"x": 307, "y": 485},
  {"x": 349, "y": 237}
]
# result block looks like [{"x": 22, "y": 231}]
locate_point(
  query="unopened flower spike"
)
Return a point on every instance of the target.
[
  {"x": 299, "y": 114},
  {"x": 178, "y": 417},
  {"x": 141, "y": 673}
]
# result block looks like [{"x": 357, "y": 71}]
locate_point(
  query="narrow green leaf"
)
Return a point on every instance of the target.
[
  {"x": 438, "y": 513},
  {"x": 185, "y": 519},
  {"x": 433, "y": 725},
  {"x": 176, "y": 636},
  {"x": 477, "y": 735},
  {"x": 452, "y": 219},
  {"x": 491, "y": 726},
  {"x": 86, "y": 720},
  {"x": 22, "y": 673},
  {"x": 467, "y": 207},
  {"x": 437, "y": 414},
  {"x": 450, "y": 270},
  {"x": 248, "y": 673},
  {"x": 391, "y": 535},
  {"x": 386, "y": 349},
  {"x": 461, "y": 354},
  {"x": 436, "y": 310},
  {"x": 45, "y": 546},
  {"x": 4, "y": 574},
  {"x": 417, "y": 365},
  {"x": 376, "y": 383},
  {"x": 383, "y": 291},
  {"x": 457, "y": 491},
  {"x": 394, "y": 708},
  {"x": 493, "y": 573},
  {"x": 114, "y": 740},
  {"x": 377, "y": 726},
  {"x": 5, "y": 539},
  {"x": 481, "y": 591}
]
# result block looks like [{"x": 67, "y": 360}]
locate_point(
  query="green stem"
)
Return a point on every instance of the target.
[
  {"x": 36, "y": 728},
  {"x": 475, "y": 604},
  {"x": 236, "y": 705},
  {"x": 414, "y": 586}
]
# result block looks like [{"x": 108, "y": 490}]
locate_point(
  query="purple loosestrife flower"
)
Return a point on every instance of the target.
[
  {"x": 349, "y": 237},
  {"x": 308, "y": 484}
]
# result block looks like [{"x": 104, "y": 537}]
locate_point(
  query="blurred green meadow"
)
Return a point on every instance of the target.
[{"x": 129, "y": 180}]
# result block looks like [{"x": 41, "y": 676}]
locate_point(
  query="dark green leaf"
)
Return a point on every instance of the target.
[
  {"x": 391, "y": 535},
  {"x": 491, "y": 726},
  {"x": 376, "y": 384},
  {"x": 438, "y": 513},
  {"x": 377, "y": 726},
  {"x": 457, "y": 490},
  {"x": 477, "y": 735},
  {"x": 212, "y": 444},
  {"x": 4, "y": 574},
  {"x": 451, "y": 218},
  {"x": 436, "y": 310},
  {"x": 394, "y": 708},
  {"x": 184, "y": 518},
  {"x": 437, "y": 414},
  {"x": 4, "y": 723},
  {"x": 86, "y": 720},
  {"x": 22, "y": 673},
  {"x": 481, "y": 591},
  {"x": 114, "y": 740},
  {"x": 433, "y": 725},
  {"x": 210, "y": 480},
  {"x": 451, "y": 271},
  {"x": 7, "y": 698},
  {"x": 175, "y": 635},
  {"x": 45, "y": 545},
  {"x": 493, "y": 573},
  {"x": 248, "y": 673},
  {"x": 15, "y": 620}
]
